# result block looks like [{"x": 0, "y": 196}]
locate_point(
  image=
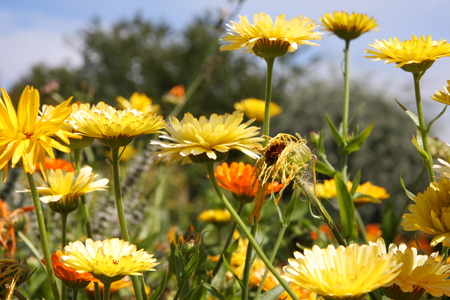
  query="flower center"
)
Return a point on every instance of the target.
[{"x": 273, "y": 152}]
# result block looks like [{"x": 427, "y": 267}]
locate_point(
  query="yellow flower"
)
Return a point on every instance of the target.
[
  {"x": 201, "y": 140},
  {"x": 25, "y": 137},
  {"x": 348, "y": 26},
  {"x": 267, "y": 39},
  {"x": 443, "y": 96},
  {"x": 415, "y": 55},
  {"x": 112, "y": 258},
  {"x": 327, "y": 189},
  {"x": 63, "y": 188},
  {"x": 138, "y": 101},
  {"x": 419, "y": 273},
  {"x": 254, "y": 108},
  {"x": 343, "y": 272},
  {"x": 443, "y": 168},
  {"x": 216, "y": 216},
  {"x": 116, "y": 128},
  {"x": 431, "y": 212}
]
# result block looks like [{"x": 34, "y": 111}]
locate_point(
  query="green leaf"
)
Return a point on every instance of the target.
[
  {"x": 355, "y": 142},
  {"x": 409, "y": 194},
  {"x": 161, "y": 286},
  {"x": 413, "y": 116},
  {"x": 356, "y": 181},
  {"x": 389, "y": 223},
  {"x": 436, "y": 118},
  {"x": 325, "y": 168},
  {"x": 346, "y": 209},
  {"x": 228, "y": 267},
  {"x": 193, "y": 293},
  {"x": 192, "y": 264},
  {"x": 419, "y": 146},
  {"x": 214, "y": 292},
  {"x": 371, "y": 198},
  {"x": 334, "y": 132},
  {"x": 272, "y": 294}
]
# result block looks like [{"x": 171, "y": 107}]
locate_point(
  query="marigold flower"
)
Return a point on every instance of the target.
[
  {"x": 327, "y": 189},
  {"x": 344, "y": 272},
  {"x": 203, "y": 140},
  {"x": 240, "y": 179},
  {"x": 63, "y": 188},
  {"x": 176, "y": 95},
  {"x": 443, "y": 96},
  {"x": 216, "y": 216},
  {"x": 373, "y": 232},
  {"x": 112, "y": 258},
  {"x": 58, "y": 163},
  {"x": 254, "y": 108},
  {"x": 138, "y": 101},
  {"x": 115, "y": 286},
  {"x": 415, "y": 55},
  {"x": 265, "y": 38},
  {"x": 70, "y": 276},
  {"x": 348, "y": 26},
  {"x": 116, "y": 128},
  {"x": 431, "y": 212},
  {"x": 418, "y": 273},
  {"x": 27, "y": 138}
]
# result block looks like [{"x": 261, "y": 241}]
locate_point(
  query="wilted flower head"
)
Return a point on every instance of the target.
[
  {"x": 344, "y": 272},
  {"x": 138, "y": 101},
  {"x": 266, "y": 39},
  {"x": 112, "y": 258},
  {"x": 27, "y": 138},
  {"x": 207, "y": 140},
  {"x": 116, "y": 128},
  {"x": 348, "y": 26},
  {"x": 12, "y": 275},
  {"x": 443, "y": 96},
  {"x": 431, "y": 212},
  {"x": 284, "y": 158},
  {"x": 254, "y": 108},
  {"x": 240, "y": 179},
  {"x": 418, "y": 273},
  {"x": 415, "y": 55}
]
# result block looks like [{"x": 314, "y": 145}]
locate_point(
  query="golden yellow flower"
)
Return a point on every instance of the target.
[
  {"x": 63, "y": 188},
  {"x": 348, "y": 26},
  {"x": 201, "y": 140},
  {"x": 327, "y": 189},
  {"x": 265, "y": 38},
  {"x": 344, "y": 272},
  {"x": 111, "y": 258},
  {"x": 138, "y": 101},
  {"x": 116, "y": 128},
  {"x": 419, "y": 273},
  {"x": 415, "y": 55},
  {"x": 254, "y": 108},
  {"x": 431, "y": 212},
  {"x": 443, "y": 96},
  {"x": 216, "y": 216},
  {"x": 27, "y": 138}
]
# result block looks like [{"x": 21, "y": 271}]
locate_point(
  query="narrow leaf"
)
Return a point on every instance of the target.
[
  {"x": 273, "y": 294},
  {"x": 355, "y": 143},
  {"x": 346, "y": 208},
  {"x": 214, "y": 292},
  {"x": 334, "y": 132},
  {"x": 161, "y": 286},
  {"x": 413, "y": 116}
]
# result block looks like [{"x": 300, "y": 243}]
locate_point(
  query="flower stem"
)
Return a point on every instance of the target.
[
  {"x": 268, "y": 98},
  {"x": 428, "y": 161},
  {"x": 121, "y": 215},
  {"x": 74, "y": 294},
  {"x": 43, "y": 236},
  {"x": 106, "y": 290},
  {"x": 63, "y": 243},
  {"x": 345, "y": 109},
  {"x": 243, "y": 227},
  {"x": 248, "y": 264}
]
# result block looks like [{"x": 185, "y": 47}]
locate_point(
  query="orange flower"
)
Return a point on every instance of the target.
[
  {"x": 69, "y": 276},
  {"x": 240, "y": 179},
  {"x": 58, "y": 163},
  {"x": 115, "y": 286},
  {"x": 373, "y": 232}
]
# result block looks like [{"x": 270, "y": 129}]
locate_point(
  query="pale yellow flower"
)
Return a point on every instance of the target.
[
  {"x": 443, "y": 168},
  {"x": 216, "y": 216},
  {"x": 415, "y": 55},
  {"x": 110, "y": 258},
  {"x": 443, "y": 96},
  {"x": 343, "y": 272},
  {"x": 254, "y": 108},
  {"x": 116, "y": 127},
  {"x": 348, "y": 26},
  {"x": 431, "y": 212},
  {"x": 25, "y": 136},
  {"x": 138, "y": 101},
  {"x": 420, "y": 273},
  {"x": 266, "y": 38},
  {"x": 208, "y": 139}
]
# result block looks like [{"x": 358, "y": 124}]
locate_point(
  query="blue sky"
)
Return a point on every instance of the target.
[{"x": 35, "y": 31}]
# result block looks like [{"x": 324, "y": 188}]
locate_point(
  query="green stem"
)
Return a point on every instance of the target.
[
  {"x": 43, "y": 236},
  {"x": 243, "y": 228},
  {"x": 74, "y": 294},
  {"x": 428, "y": 162},
  {"x": 268, "y": 98},
  {"x": 63, "y": 242},
  {"x": 362, "y": 228},
  {"x": 106, "y": 290},
  {"x": 227, "y": 242},
  {"x": 121, "y": 215},
  {"x": 345, "y": 110},
  {"x": 180, "y": 289},
  {"x": 248, "y": 264}
]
